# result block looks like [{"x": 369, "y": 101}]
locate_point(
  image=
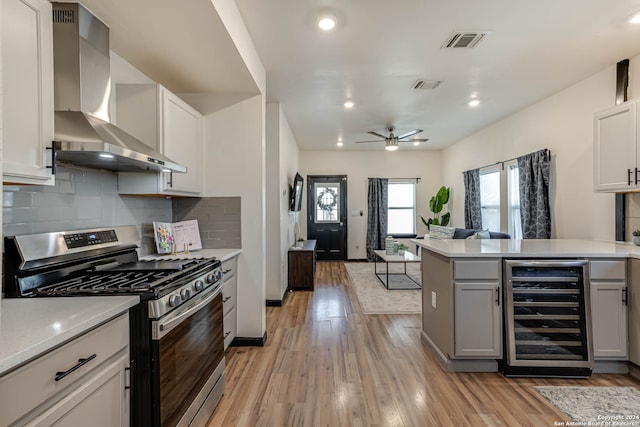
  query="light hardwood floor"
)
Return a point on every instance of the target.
[{"x": 327, "y": 364}]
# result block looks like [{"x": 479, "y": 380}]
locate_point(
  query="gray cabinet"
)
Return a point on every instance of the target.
[
  {"x": 634, "y": 311},
  {"x": 609, "y": 312},
  {"x": 477, "y": 309},
  {"x": 477, "y": 330},
  {"x": 93, "y": 390}
]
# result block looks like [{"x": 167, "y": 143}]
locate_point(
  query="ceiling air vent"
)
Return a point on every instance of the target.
[
  {"x": 422, "y": 84},
  {"x": 464, "y": 39}
]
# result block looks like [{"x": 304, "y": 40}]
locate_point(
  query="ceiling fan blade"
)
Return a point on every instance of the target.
[
  {"x": 414, "y": 140},
  {"x": 405, "y": 135},
  {"x": 377, "y": 134},
  {"x": 377, "y": 140}
]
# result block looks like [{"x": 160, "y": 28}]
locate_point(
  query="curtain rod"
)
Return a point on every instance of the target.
[
  {"x": 415, "y": 179},
  {"x": 501, "y": 163}
]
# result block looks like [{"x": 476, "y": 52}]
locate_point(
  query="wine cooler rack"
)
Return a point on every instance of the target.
[{"x": 547, "y": 318}]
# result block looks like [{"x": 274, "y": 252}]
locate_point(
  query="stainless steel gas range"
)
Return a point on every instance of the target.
[{"x": 176, "y": 333}]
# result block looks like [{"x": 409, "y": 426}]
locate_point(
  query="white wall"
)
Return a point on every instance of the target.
[
  {"x": 361, "y": 165},
  {"x": 235, "y": 159},
  {"x": 563, "y": 123},
  {"x": 282, "y": 165}
]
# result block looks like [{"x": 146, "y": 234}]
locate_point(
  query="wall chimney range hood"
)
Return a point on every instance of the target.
[{"x": 82, "y": 84}]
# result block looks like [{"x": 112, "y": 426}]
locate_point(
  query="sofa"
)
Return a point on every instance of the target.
[{"x": 463, "y": 233}]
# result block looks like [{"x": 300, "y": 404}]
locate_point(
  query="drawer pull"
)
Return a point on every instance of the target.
[
  {"x": 226, "y": 299},
  {"x": 81, "y": 362},
  {"x": 226, "y": 334},
  {"x": 226, "y": 271}
]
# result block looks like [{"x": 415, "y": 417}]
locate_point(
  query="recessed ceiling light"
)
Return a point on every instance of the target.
[
  {"x": 416, "y": 142},
  {"x": 634, "y": 18},
  {"x": 327, "y": 22},
  {"x": 349, "y": 104},
  {"x": 339, "y": 144},
  {"x": 474, "y": 103}
]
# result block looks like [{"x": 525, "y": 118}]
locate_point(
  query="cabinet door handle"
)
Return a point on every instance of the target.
[
  {"x": 53, "y": 157},
  {"x": 170, "y": 180},
  {"x": 226, "y": 299},
  {"x": 625, "y": 296},
  {"x": 628, "y": 176},
  {"x": 226, "y": 334},
  {"x": 498, "y": 295},
  {"x": 637, "y": 176},
  {"x": 81, "y": 363}
]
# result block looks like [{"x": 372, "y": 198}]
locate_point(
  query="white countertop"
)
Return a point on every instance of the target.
[
  {"x": 221, "y": 254},
  {"x": 30, "y": 327},
  {"x": 528, "y": 248}
]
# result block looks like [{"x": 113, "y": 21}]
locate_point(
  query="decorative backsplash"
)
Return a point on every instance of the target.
[
  {"x": 80, "y": 199},
  {"x": 218, "y": 219}
]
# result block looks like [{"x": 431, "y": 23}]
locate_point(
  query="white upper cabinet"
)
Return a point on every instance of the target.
[
  {"x": 27, "y": 84},
  {"x": 616, "y": 165},
  {"x": 169, "y": 125}
]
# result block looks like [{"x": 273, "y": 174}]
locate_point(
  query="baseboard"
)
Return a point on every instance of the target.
[
  {"x": 634, "y": 370},
  {"x": 250, "y": 341},
  {"x": 278, "y": 302},
  {"x": 610, "y": 367},
  {"x": 459, "y": 365}
]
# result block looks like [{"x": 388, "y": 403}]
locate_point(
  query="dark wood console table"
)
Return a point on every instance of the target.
[{"x": 302, "y": 266}]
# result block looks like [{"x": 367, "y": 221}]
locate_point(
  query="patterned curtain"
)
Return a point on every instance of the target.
[
  {"x": 535, "y": 213},
  {"x": 377, "y": 221},
  {"x": 472, "y": 207}
]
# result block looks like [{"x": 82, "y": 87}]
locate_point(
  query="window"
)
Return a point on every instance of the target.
[
  {"x": 490, "y": 199},
  {"x": 327, "y": 202},
  {"x": 401, "y": 214},
  {"x": 513, "y": 201},
  {"x": 500, "y": 199}
]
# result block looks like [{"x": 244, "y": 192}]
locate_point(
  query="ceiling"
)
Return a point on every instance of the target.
[{"x": 380, "y": 47}]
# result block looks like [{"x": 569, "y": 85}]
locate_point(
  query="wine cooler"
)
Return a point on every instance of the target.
[{"x": 547, "y": 318}]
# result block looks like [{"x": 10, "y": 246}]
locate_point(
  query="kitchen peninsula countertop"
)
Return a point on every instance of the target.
[
  {"x": 528, "y": 248},
  {"x": 30, "y": 327}
]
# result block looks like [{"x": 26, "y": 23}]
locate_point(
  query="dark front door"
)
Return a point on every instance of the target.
[{"x": 327, "y": 215}]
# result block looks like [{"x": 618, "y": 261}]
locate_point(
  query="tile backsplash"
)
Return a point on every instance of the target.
[
  {"x": 84, "y": 198},
  {"x": 80, "y": 199},
  {"x": 218, "y": 219},
  {"x": 632, "y": 214}
]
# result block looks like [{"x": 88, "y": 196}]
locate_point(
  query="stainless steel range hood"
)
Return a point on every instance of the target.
[{"x": 82, "y": 85}]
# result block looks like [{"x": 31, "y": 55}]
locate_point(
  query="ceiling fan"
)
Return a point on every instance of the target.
[{"x": 391, "y": 141}]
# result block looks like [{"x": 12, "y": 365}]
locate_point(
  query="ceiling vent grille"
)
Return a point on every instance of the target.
[
  {"x": 422, "y": 84},
  {"x": 467, "y": 40}
]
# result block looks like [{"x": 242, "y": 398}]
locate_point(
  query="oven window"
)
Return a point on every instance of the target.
[{"x": 188, "y": 356}]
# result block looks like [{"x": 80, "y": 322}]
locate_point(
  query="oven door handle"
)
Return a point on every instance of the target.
[{"x": 162, "y": 327}]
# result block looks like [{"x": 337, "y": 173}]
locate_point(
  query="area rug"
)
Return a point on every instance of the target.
[
  {"x": 375, "y": 299},
  {"x": 593, "y": 405}
]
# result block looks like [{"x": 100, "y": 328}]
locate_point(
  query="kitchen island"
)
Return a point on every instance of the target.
[{"x": 463, "y": 291}]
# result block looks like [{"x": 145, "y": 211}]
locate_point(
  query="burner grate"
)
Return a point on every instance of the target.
[{"x": 125, "y": 282}]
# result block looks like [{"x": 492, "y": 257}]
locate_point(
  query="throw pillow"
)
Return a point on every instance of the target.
[
  {"x": 441, "y": 232},
  {"x": 483, "y": 234}
]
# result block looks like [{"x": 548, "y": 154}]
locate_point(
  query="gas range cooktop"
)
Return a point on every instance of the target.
[{"x": 102, "y": 262}]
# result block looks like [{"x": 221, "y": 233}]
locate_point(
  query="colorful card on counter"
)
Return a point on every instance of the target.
[{"x": 177, "y": 237}]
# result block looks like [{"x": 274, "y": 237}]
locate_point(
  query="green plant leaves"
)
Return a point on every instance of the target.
[{"x": 436, "y": 204}]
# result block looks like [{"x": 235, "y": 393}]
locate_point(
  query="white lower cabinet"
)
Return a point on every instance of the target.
[
  {"x": 477, "y": 323},
  {"x": 609, "y": 311},
  {"x": 229, "y": 299},
  {"x": 83, "y": 382}
]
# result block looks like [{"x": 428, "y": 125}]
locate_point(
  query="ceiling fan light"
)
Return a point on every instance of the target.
[
  {"x": 416, "y": 142},
  {"x": 391, "y": 144},
  {"x": 391, "y": 147}
]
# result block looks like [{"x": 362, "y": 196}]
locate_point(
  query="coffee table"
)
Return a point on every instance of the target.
[{"x": 385, "y": 276}]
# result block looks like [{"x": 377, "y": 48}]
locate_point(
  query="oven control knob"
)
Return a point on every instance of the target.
[
  {"x": 210, "y": 278},
  {"x": 185, "y": 294},
  {"x": 175, "y": 300},
  {"x": 199, "y": 285}
]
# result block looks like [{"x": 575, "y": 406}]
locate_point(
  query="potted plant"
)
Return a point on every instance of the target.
[
  {"x": 636, "y": 237},
  {"x": 401, "y": 248},
  {"x": 300, "y": 242},
  {"x": 436, "y": 204}
]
